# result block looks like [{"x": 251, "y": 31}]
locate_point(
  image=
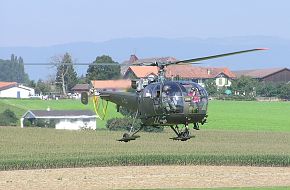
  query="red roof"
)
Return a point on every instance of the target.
[
  {"x": 5, "y": 85},
  {"x": 189, "y": 71},
  {"x": 143, "y": 71},
  {"x": 111, "y": 84}
]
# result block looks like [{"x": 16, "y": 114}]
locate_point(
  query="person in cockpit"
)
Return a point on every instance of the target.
[
  {"x": 195, "y": 98},
  {"x": 167, "y": 102}
]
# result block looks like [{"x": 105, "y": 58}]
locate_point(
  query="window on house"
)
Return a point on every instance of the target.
[
  {"x": 226, "y": 81},
  {"x": 220, "y": 81}
]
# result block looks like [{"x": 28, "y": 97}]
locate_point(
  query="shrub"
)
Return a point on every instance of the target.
[
  {"x": 124, "y": 124},
  {"x": 8, "y": 117}
]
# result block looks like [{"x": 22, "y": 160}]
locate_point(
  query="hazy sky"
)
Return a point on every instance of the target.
[{"x": 47, "y": 22}]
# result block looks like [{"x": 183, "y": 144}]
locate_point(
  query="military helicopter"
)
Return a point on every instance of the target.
[{"x": 162, "y": 102}]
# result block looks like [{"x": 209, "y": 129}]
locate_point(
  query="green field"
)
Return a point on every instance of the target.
[
  {"x": 223, "y": 115},
  {"x": 249, "y": 115},
  {"x": 237, "y": 133}
]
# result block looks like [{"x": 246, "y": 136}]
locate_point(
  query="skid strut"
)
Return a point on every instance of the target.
[
  {"x": 132, "y": 134},
  {"x": 182, "y": 135}
]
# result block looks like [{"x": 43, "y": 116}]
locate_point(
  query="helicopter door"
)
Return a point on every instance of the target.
[
  {"x": 156, "y": 97},
  {"x": 146, "y": 102}
]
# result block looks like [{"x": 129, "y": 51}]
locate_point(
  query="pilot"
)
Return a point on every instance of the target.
[
  {"x": 166, "y": 100},
  {"x": 195, "y": 99}
]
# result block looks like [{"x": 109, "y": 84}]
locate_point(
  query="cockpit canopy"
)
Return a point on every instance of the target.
[{"x": 172, "y": 88}]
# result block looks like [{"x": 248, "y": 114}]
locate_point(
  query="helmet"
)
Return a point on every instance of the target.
[{"x": 166, "y": 88}]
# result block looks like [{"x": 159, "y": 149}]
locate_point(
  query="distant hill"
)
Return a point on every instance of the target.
[{"x": 181, "y": 48}]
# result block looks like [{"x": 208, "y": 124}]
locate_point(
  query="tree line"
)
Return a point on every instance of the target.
[
  {"x": 13, "y": 70},
  {"x": 65, "y": 77},
  {"x": 246, "y": 87}
]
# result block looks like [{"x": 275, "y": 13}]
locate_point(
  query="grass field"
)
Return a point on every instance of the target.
[
  {"x": 249, "y": 116},
  {"x": 223, "y": 115}
]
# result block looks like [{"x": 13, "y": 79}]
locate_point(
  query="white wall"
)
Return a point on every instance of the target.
[
  {"x": 76, "y": 124},
  {"x": 223, "y": 82},
  {"x": 25, "y": 92}
]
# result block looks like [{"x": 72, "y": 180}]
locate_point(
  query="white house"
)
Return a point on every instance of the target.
[
  {"x": 14, "y": 90},
  {"x": 63, "y": 119}
]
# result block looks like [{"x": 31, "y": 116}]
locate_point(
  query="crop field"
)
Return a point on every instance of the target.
[
  {"x": 49, "y": 148},
  {"x": 237, "y": 133}
]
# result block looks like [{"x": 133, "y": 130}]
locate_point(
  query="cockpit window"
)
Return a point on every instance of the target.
[
  {"x": 148, "y": 91},
  {"x": 156, "y": 91}
]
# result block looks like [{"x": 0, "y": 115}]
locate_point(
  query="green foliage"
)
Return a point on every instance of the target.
[
  {"x": 211, "y": 87},
  {"x": 44, "y": 123},
  {"x": 124, "y": 124},
  {"x": 244, "y": 86},
  {"x": 66, "y": 76},
  {"x": 128, "y": 118},
  {"x": 103, "y": 72},
  {"x": 8, "y": 118},
  {"x": 13, "y": 70},
  {"x": 271, "y": 89},
  {"x": 42, "y": 87}
]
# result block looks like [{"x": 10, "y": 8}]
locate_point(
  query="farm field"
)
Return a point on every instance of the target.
[{"x": 49, "y": 148}]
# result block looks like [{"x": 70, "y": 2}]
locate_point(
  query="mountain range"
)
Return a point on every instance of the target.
[{"x": 180, "y": 48}]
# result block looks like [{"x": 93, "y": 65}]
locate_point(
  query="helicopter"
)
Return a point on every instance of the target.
[{"x": 159, "y": 101}]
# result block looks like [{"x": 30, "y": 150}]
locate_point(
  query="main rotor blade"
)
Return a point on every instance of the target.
[
  {"x": 193, "y": 61},
  {"x": 52, "y": 64}
]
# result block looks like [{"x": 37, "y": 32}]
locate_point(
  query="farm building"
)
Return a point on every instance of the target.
[
  {"x": 61, "y": 119},
  {"x": 222, "y": 76},
  {"x": 79, "y": 88},
  {"x": 267, "y": 75},
  {"x": 15, "y": 90},
  {"x": 111, "y": 85}
]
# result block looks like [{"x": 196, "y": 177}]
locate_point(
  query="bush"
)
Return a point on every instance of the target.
[
  {"x": 45, "y": 123},
  {"x": 121, "y": 124},
  {"x": 236, "y": 98},
  {"x": 8, "y": 118},
  {"x": 124, "y": 124}
]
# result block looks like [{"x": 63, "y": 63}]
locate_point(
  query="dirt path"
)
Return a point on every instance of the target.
[{"x": 141, "y": 177}]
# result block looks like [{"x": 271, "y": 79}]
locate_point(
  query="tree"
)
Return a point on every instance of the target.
[
  {"x": 211, "y": 87},
  {"x": 244, "y": 86},
  {"x": 66, "y": 77},
  {"x": 13, "y": 70},
  {"x": 42, "y": 87},
  {"x": 8, "y": 117},
  {"x": 103, "y": 72}
]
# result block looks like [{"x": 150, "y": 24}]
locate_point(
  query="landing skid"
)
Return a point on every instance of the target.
[
  {"x": 127, "y": 137},
  {"x": 182, "y": 138},
  {"x": 181, "y": 135}
]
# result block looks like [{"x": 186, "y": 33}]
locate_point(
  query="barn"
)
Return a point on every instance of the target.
[
  {"x": 61, "y": 119},
  {"x": 267, "y": 75}
]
